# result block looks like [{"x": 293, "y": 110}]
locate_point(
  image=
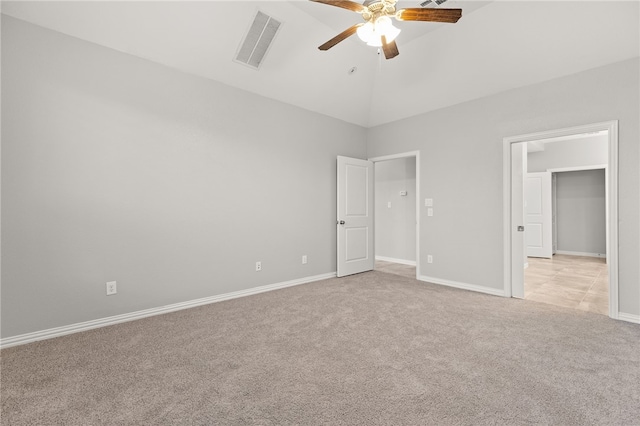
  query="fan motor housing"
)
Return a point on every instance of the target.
[{"x": 378, "y": 8}]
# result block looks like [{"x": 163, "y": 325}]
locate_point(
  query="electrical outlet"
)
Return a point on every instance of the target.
[
  {"x": 304, "y": 259},
  {"x": 429, "y": 258},
  {"x": 111, "y": 288},
  {"x": 258, "y": 266},
  {"x": 389, "y": 205}
]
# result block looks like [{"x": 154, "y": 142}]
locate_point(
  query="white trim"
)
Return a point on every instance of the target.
[
  {"x": 577, "y": 168},
  {"x": 580, "y": 253},
  {"x": 394, "y": 260},
  {"x": 612, "y": 220},
  {"x": 526, "y": 265},
  {"x": 506, "y": 216},
  {"x": 116, "y": 319},
  {"x": 409, "y": 154},
  {"x": 463, "y": 286},
  {"x": 629, "y": 317},
  {"x": 612, "y": 200},
  {"x": 395, "y": 156}
]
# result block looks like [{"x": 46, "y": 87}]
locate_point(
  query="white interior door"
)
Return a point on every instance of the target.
[
  {"x": 355, "y": 216},
  {"x": 554, "y": 212},
  {"x": 539, "y": 227},
  {"x": 518, "y": 254}
]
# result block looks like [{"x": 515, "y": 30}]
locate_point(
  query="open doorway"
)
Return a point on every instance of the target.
[
  {"x": 565, "y": 195},
  {"x": 396, "y": 214},
  {"x": 570, "y": 258}
]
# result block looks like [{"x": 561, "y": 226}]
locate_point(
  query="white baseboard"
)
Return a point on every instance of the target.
[
  {"x": 393, "y": 260},
  {"x": 116, "y": 319},
  {"x": 463, "y": 286},
  {"x": 629, "y": 317},
  {"x": 580, "y": 253}
]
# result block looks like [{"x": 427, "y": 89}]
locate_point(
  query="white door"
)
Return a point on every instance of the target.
[
  {"x": 518, "y": 158},
  {"x": 554, "y": 212},
  {"x": 539, "y": 227},
  {"x": 355, "y": 216}
]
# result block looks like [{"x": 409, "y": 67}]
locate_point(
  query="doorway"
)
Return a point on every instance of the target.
[
  {"x": 590, "y": 271},
  {"x": 396, "y": 201},
  {"x": 565, "y": 228}
]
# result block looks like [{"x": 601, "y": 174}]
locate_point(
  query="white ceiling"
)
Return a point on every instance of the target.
[{"x": 496, "y": 46}]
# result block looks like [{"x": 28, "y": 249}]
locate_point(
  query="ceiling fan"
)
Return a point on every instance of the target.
[{"x": 377, "y": 28}]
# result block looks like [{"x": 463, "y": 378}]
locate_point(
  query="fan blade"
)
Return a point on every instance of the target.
[
  {"x": 390, "y": 49},
  {"x": 343, "y": 35},
  {"x": 356, "y": 7},
  {"x": 433, "y": 15}
]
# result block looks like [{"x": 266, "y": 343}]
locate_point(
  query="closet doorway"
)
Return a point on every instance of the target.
[{"x": 396, "y": 214}]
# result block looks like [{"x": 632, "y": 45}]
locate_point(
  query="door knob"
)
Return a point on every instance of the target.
[{"x": 341, "y": 222}]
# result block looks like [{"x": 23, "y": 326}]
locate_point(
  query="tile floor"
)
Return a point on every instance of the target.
[{"x": 570, "y": 281}]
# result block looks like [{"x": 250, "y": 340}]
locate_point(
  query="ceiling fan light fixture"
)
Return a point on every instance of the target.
[
  {"x": 385, "y": 27},
  {"x": 377, "y": 28},
  {"x": 371, "y": 33},
  {"x": 366, "y": 32}
]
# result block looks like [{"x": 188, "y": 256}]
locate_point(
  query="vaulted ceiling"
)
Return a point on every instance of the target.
[{"x": 496, "y": 46}]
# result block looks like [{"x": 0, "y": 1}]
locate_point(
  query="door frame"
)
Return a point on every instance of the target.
[
  {"x": 409, "y": 154},
  {"x": 611, "y": 174}
]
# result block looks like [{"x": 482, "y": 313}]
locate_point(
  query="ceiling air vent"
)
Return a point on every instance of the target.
[
  {"x": 257, "y": 41},
  {"x": 431, "y": 2}
]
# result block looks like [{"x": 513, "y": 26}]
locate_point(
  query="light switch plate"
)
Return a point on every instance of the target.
[
  {"x": 428, "y": 202},
  {"x": 429, "y": 212}
]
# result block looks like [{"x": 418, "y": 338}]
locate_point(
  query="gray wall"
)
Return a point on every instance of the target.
[
  {"x": 590, "y": 151},
  {"x": 461, "y": 168},
  {"x": 116, "y": 168},
  {"x": 395, "y": 235},
  {"x": 581, "y": 207}
]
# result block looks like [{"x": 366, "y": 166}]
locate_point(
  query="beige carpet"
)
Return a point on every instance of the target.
[
  {"x": 395, "y": 268},
  {"x": 370, "y": 349}
]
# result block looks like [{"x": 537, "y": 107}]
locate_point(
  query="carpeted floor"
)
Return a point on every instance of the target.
[
  {"x": 395, "y": 268},
  {"x": 369, "y": 349}
]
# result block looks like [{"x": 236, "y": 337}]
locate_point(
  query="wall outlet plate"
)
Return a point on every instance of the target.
[
  {"x": 111, "y": 288},
  {"x": 258, "y": 266},
  {"x": 304, "y": 259}
]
